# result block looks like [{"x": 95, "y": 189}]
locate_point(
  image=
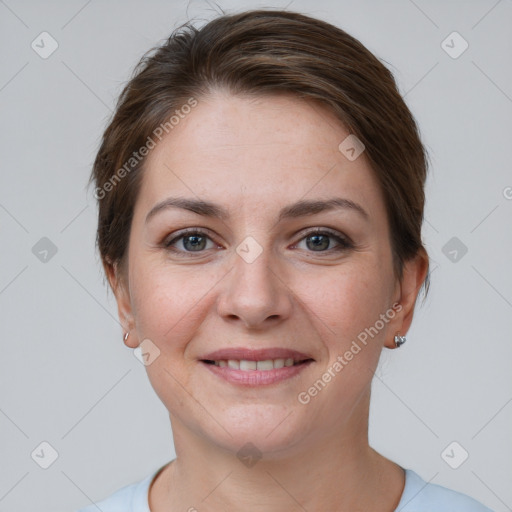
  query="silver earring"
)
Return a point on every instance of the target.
[
  {"x": 399, "y": 340},
  {"x": 126, "y": 334}
]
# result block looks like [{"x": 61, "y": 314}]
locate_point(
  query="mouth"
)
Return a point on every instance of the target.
[
  {"x": 256, "y": 367},
  {"x": 250, "y": 365}
]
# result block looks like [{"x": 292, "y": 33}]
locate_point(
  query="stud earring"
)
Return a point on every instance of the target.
[
  {"x": 399, "y": 340},
  {"x": 126, "y": 334}
]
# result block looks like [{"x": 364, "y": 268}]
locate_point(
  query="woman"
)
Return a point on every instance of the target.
[{"x": 261, "y": 194}]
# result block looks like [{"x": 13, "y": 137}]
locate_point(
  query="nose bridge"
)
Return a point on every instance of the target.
[
  {"x": 253, "y": 292},
  {"x": 253, "y": 269}
]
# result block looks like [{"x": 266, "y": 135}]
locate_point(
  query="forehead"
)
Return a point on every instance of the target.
[{"x": 246, "y": 151}]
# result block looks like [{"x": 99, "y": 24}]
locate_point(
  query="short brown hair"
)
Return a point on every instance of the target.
[{"x": 264, "y": 52}]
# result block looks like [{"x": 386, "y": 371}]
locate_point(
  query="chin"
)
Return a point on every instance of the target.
[{"x": 264, "y": 429}]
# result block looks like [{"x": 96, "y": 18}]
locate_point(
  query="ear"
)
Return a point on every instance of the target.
[
  {"x": 414, "y": 274},
  {"x": 121, "y": 291}
]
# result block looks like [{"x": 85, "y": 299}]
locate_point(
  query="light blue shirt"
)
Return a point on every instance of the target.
[{"x": 417, "y": 496}]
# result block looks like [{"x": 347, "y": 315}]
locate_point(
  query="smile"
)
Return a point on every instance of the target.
[
  {"x": 256, "y": 373},
  {"x": 246, "y": 365}
]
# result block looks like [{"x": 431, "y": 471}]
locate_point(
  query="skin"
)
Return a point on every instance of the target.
[{"x": 254, "y": 156}]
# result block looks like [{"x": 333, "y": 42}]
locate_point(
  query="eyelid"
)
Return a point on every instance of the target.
[
  {"x": 344, "y": 242},
  {"x": 177, "y": 235},
  {"x": 330, "y": 231}
]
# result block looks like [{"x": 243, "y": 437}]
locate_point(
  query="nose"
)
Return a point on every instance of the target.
[{"x": 255, "y": 292}]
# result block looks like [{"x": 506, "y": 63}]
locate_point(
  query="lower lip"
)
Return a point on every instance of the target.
[{"x": 256, "y": 377}]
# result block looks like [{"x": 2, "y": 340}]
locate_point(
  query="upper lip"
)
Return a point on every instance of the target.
[{"x": 262, "y": 354}]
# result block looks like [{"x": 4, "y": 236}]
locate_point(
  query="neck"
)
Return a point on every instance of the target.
[{"x": 341, "y": 472}]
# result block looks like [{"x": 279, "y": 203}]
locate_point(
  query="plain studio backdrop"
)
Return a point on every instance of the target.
[{"x": 78, "y": 417}]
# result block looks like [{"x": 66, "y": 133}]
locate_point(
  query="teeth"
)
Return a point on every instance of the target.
[
  {"x": 244, "y": 364},
  {"x": 247, "y": 365},
  {"x": 264, "y": 365}
]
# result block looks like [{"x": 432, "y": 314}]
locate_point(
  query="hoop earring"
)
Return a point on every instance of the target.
[
  {"x": 126, "y": 334},
  {"x": 399, "y": 340}
]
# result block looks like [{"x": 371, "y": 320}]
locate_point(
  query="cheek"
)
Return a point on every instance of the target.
[
  {"x": 162, "y": 301},
  {"x": 350, "y": 304},
  {"x": 351, "y": 299},
  {"x": 167, "y": 304}
]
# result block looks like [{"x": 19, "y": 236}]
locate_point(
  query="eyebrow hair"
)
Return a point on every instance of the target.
[{"x": 299, "y": 209}]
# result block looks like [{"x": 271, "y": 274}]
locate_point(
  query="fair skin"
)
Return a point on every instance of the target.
[{"x": 253, "y": 157}]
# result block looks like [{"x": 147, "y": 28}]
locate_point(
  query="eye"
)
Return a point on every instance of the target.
[
  {"x": 320, "y": 240},
  {"x": 196, "y": 240},
  {"x": 191, "y": 240}
]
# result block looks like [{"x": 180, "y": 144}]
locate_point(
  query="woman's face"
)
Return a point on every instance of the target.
[{"x": 258, "y": 277}]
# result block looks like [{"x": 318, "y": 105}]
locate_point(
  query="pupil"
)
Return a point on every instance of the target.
[
  {"x": 195, "y": 244},
  {"x": 323, "y": 245}
]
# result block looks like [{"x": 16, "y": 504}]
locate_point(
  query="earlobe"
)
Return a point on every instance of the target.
[
  {"x": 130, "y": 343},
  {"x": 122, "y": 295},
  {"x": 413, "y": 276}
]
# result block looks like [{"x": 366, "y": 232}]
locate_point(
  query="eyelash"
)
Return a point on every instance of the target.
[{"x": 344, "y": 243}]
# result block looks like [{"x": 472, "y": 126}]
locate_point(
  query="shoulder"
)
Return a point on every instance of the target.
[
  {"x": 421, "y": 496},
  {"x": 130, "y": 498}
]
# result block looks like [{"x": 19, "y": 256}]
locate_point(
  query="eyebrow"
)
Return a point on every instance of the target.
[{"x": 299, "y": 209}]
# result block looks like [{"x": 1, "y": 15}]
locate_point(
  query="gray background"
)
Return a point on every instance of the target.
[{"x": 65, "y": 375}]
